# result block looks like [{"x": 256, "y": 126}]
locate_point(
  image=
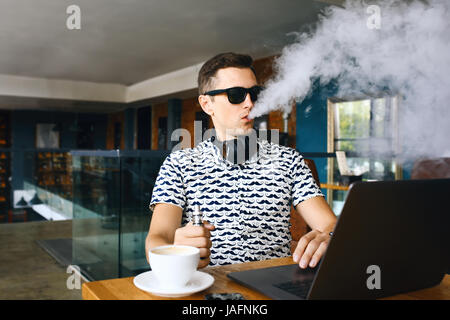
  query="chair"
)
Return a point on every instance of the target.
[{"x": 298, "y": 225}]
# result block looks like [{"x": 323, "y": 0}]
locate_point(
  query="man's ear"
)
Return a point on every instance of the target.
[{"x": 205, "y": 103}]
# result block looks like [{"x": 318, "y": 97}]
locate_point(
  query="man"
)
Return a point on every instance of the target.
[{"x": 245, "y": 205}]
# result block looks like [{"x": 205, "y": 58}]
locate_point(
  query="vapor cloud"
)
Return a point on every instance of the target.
[{"x": 409, "y": 53}]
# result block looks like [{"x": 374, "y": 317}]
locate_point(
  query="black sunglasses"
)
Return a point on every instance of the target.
[{"x": 237, "y": 95}]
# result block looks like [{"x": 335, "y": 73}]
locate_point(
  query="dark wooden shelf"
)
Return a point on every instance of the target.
[
  {"x": 53, "y": 169},
  {"x": 5, "y": 160}
]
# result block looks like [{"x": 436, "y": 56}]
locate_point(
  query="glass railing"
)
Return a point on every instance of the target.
[
  {"x": 46, "y": 180},
  {"x": 107, "y": 194},
  {"x": 111, "y": 194}
]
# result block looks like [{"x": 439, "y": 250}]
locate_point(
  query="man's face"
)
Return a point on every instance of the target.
[{"x": 230, "y": 120}]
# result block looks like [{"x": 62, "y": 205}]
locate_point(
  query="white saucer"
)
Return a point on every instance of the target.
[{"x": 147, "y": 281}]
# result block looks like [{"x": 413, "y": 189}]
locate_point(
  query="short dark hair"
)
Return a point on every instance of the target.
[{"x": 220, "y": 61}]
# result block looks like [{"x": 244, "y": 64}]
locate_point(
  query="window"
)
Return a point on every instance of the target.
[
  {"x": 85, "y": 135},
  {"x": 162, "y": 133},
  {"x": 117, "y": 135},
  {"x": 366, "y": 130}
]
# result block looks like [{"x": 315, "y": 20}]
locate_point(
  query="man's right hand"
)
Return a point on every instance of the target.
[{"x": 196, "y": 236}]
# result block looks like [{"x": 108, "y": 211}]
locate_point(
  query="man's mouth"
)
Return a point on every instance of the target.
[{"x": 245, "y": 117}]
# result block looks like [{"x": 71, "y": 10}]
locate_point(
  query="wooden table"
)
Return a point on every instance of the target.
[{"x": 124, "y": 289}]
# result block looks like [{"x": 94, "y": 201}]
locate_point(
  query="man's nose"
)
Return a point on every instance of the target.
[{"x": 248, "y": 103}]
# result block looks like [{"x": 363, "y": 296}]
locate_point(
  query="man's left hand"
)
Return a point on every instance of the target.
[{"x": 310, "y": 248}]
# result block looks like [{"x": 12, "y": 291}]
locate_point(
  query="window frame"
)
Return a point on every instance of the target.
[{"x": 394, "y": 101}]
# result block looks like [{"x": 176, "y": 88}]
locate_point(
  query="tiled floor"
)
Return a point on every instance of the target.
[{"x": 26, "y": 270}]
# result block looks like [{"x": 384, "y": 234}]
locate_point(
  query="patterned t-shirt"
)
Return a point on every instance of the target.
[{"x": 248, "y": 203}]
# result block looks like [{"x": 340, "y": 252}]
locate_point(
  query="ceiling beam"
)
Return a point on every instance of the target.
[
  {"x": 61, "y": 89},
  {"x": 173, "y": 83}
]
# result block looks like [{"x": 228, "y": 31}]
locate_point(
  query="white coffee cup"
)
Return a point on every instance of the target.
[{"x": 174, "y": 265}]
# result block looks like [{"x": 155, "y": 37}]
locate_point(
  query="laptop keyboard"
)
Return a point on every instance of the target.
[{"x": 297, "y": 288}]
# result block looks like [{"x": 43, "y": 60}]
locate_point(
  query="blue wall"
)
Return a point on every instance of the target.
[
  {"x": 312, "y": 125},
  {"x": 23, "y": 127},
  {"x": 23, "y": 135}
]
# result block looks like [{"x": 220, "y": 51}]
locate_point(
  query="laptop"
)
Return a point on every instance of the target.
[{"x": 391, "y": 237}]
